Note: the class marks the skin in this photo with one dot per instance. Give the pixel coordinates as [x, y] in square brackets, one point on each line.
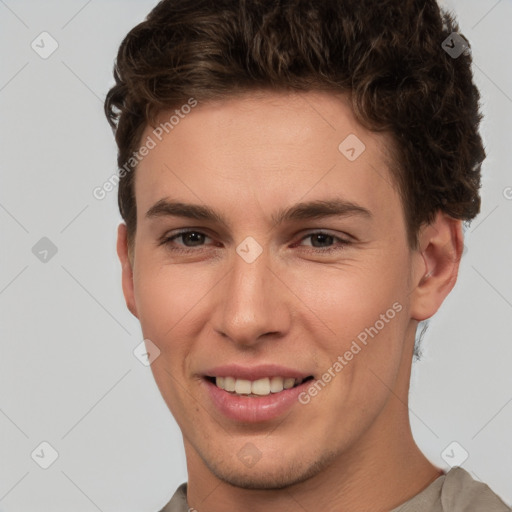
[351, 448]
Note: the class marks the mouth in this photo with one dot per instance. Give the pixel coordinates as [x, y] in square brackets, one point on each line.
[255, 394]
[257, 388]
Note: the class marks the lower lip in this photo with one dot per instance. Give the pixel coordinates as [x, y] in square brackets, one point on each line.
[251, 409]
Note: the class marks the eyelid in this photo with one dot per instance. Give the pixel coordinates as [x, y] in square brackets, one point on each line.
[174, 235]
[342, 239]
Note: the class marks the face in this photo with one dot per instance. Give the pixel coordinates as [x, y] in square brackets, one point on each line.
[267, 256]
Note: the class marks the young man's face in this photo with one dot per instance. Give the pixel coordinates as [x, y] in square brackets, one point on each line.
[305, 303]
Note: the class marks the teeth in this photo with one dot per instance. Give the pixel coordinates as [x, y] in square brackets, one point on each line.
[229, 384]
[260, 387]
[243, 387]
[276, 384]
[289, 383]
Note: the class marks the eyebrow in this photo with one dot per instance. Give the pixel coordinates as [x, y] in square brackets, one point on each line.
[302, 211]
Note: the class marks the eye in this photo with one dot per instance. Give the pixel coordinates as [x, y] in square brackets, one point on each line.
[190, 239]
[321, 242]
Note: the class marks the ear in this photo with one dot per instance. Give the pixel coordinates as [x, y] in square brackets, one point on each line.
[436, 266]
[127, 271]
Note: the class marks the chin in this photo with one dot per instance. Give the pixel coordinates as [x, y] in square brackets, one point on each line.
[271, 475]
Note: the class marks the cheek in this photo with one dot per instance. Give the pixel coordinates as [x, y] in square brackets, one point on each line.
[350, 299]
[168, 300]
[361, 360]
[365, 308]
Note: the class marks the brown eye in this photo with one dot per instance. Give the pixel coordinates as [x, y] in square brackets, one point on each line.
[322, 239]
[194, 237]
[323, 242]
[188, 238]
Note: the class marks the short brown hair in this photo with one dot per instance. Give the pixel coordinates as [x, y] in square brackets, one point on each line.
[386, 54]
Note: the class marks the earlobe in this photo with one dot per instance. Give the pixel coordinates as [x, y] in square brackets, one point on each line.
[127, 271]
[437, 265]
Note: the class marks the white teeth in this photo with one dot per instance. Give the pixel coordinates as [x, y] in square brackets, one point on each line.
[276, 384]
[243, 387]
[260, 387]
[229, 384]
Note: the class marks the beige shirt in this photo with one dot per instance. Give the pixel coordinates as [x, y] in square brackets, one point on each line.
[456, 491]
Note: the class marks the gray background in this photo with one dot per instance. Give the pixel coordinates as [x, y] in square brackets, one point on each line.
[68, 375]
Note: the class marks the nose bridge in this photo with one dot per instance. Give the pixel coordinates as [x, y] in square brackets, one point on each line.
[251, 304]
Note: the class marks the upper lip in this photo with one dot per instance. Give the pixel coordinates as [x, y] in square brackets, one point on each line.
[255, 372]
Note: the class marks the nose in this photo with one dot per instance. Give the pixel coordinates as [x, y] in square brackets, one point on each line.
[253, 303]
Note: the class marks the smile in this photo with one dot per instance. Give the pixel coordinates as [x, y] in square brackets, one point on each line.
[260, 387]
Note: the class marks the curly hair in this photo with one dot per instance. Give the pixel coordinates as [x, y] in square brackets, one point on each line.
[386, 55]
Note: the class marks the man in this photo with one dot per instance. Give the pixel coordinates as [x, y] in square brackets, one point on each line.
[294, 176]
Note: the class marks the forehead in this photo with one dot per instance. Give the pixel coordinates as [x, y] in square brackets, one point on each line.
[265, 149]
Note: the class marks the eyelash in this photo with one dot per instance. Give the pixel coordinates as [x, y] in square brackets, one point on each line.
[168, 240]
